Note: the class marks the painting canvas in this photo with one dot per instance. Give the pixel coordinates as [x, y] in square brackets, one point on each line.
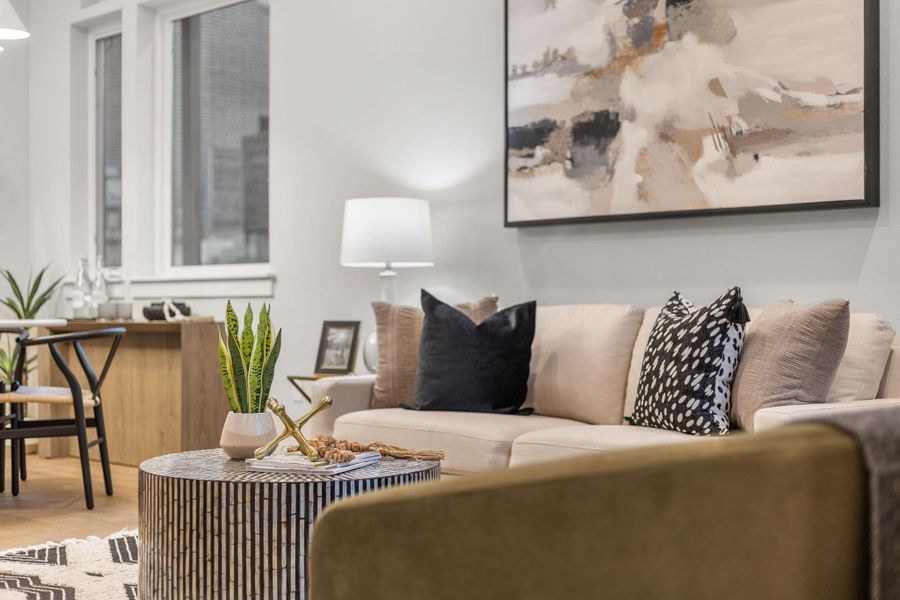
[622, 109]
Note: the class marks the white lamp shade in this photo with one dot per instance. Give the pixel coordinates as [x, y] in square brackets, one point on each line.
[386, 233]
[11, 26]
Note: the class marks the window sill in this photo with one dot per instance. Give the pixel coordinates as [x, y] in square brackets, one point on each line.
[204, 286]
[194, 286]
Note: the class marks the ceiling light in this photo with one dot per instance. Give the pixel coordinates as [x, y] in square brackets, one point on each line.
[11, 26]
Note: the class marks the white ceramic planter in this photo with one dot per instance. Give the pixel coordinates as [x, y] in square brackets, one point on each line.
[245, 432]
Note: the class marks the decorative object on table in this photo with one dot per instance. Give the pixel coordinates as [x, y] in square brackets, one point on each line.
[25, 303]
[91, 291]
[689, 364]
[399, 329]
[292, 429]
[265, 515]
[624, 110]
[388, 234]
[247, 363]
[297, 463]
[119, 305]
[474, 368]
[337, 347]
[791, 356]
[166, 310]
[112, 310]
[99, 287]
[340, 451]
[75, 569]
[81, 291]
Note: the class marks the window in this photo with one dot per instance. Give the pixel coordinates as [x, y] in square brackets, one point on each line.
[220, 136]
[108, 94]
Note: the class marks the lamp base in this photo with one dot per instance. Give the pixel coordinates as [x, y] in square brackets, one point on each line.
[370, 352]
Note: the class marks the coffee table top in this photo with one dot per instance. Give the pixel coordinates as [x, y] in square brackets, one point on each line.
[214, 465]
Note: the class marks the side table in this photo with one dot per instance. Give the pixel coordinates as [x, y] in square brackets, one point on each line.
[211, 528]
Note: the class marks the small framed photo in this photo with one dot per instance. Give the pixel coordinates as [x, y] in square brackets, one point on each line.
[337, 347]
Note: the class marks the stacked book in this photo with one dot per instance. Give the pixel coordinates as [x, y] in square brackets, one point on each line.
[297, 462]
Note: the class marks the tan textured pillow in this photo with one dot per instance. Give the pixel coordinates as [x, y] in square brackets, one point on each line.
[398, 329]
[861, 369]
[580, 359]
[790, 356]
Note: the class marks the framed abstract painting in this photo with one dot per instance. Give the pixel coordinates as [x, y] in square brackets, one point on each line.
[629, 109]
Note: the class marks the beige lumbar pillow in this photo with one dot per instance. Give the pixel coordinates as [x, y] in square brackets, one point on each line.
[790, 356]
[398, 329]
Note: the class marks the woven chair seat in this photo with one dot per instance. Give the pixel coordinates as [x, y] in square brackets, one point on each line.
[47, 395]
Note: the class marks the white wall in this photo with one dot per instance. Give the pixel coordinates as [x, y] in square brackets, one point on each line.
[376, 97]
[14, 243]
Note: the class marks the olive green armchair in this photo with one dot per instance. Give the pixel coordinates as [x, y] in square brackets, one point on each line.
[774, 515]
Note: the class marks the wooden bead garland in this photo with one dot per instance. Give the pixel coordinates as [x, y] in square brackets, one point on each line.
[341, 451]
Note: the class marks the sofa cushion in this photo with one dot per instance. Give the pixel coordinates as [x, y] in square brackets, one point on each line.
[563, 442]
[580, 361]
[473, 442]
[399, 329]
[868, 347]
[790, 356]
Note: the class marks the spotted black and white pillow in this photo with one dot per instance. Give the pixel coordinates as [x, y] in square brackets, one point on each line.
[689, 364]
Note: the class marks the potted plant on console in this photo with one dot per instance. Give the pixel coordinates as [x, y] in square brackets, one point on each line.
[247, 362]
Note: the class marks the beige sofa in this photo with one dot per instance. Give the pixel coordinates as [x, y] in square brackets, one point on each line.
[585, 369]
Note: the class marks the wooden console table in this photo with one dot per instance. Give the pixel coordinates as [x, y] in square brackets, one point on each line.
[163, 393]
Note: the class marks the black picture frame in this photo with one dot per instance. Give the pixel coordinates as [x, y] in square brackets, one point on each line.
[871, 144]
[327, 326]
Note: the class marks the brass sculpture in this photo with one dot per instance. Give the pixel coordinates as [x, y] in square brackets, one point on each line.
[292, 428]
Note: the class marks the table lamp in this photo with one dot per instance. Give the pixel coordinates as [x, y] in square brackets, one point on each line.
[386, 234]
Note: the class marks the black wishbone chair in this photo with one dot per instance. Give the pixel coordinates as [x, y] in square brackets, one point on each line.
[14, 427]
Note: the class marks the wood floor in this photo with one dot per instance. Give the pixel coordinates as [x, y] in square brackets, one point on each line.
[50, 504]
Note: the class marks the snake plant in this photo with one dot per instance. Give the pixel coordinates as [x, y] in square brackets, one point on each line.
[25, 303]
[9, 359]
[247, 360]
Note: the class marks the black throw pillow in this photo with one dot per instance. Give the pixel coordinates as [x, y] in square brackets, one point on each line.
[474, 368]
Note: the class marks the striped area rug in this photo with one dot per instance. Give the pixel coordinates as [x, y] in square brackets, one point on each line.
[72, 570]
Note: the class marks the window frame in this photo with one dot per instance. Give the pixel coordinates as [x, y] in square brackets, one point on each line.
[164, 96]
[94, 35]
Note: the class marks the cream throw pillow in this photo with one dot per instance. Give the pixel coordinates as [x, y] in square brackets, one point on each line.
[580, 359]
[790, 356]
[398, 329]
[868, 348]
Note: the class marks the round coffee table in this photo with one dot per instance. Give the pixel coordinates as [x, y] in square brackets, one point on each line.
[211, 528]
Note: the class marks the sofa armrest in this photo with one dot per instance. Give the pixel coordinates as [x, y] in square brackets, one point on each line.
[781, 514]
[349, 393]
[776, 416]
